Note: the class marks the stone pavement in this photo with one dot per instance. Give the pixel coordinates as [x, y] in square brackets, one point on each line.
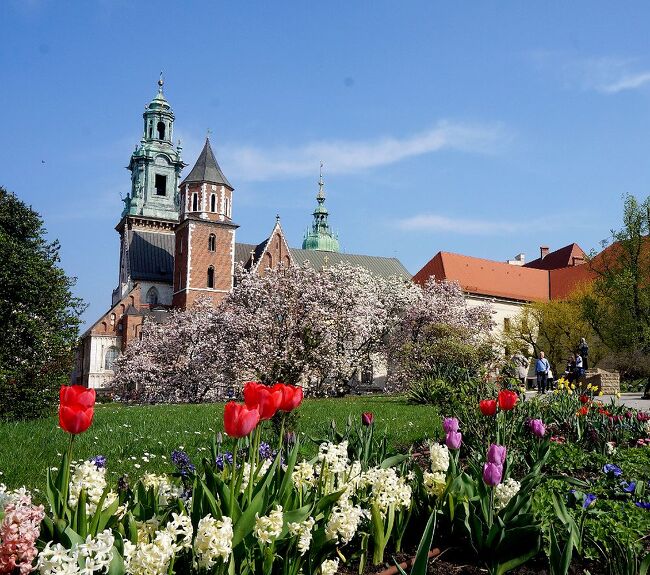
[630, 399]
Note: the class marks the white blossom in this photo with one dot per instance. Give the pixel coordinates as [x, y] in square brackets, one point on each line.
[344, 521]
[269, 527]
[387, 488]
[213, 541]
[439, 455]
[302, 530]
[163, 487]
[435, 483]
[504, 492]
[329, 567]
[95, 554]
[303, 475]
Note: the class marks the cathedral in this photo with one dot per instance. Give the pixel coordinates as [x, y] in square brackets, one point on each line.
[178, 244]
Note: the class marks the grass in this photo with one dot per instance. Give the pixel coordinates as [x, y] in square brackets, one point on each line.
[140, 439]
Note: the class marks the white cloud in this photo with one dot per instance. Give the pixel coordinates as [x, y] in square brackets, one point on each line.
[348, 156]
[607, 75]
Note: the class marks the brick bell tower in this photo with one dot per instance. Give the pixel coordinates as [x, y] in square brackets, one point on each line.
[204, 256]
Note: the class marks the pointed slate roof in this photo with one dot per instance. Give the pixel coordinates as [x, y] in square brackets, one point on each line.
[207, 169]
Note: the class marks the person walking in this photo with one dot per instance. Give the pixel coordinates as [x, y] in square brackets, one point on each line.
[521, 363]
[583, 350]
[542, 368]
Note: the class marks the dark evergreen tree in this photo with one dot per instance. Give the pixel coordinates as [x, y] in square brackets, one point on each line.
[39, 316]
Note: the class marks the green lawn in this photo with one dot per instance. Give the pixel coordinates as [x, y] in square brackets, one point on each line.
[139, 439]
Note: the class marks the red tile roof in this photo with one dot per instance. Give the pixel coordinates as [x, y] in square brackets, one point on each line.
[487, 277]
[570, 255]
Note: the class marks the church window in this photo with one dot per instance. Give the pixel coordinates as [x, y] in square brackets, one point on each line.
[195, 202]
[226, 206]
[161, 130]
[367, 375]
[212, 242]
[112, 353]
[269, 260]
[210, 277]
[161, 185]
[213, 203]
[152, 296]
[287, 261]
[150, 129]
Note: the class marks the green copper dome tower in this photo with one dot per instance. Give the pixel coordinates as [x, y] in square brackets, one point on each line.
[155, 164]
[320, 236]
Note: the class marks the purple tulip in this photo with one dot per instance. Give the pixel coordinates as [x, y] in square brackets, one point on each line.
[537, 427]
[492, 474]
[367, 417]
[496, 454]
[450, 424]
[454, 439]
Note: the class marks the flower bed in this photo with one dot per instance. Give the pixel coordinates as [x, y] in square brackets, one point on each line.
[254, 506]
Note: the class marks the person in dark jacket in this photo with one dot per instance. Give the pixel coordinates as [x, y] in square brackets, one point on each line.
[583, 350]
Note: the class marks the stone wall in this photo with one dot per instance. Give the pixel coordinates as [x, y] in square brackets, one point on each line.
[607, 381]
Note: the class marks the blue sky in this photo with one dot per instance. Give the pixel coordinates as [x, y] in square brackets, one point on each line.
[481, 128]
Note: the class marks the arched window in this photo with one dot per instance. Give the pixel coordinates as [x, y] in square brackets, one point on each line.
[226, 207]
[213, 203]
[269, 260]
[211, 277]
[212, 242]
[112, 353]
[161, 130]
[150, 129]
[152, 296]
[195, 202]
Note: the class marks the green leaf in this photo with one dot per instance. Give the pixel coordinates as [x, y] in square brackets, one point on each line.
[394, 460]
[117, 564]
[81, 522]
[422, 555]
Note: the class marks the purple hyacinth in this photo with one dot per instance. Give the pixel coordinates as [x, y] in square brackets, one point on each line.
[454, 439]
[643, 504]
[615, 470]
[537, 427]
[492, 474]
[265, 451]
[496, 454]
[589, 500]
[182, 462]
[450, 424]
[223, 460]
[99, 461]
[628, 487]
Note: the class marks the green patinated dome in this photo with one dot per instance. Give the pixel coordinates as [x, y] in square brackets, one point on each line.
[320, 236]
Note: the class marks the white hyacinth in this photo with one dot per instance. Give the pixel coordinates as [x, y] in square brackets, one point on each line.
[439, 455]
[435, 483]
[335, 456]
[95, 554]
[150, 558]
[504, 492]
[344, 521]
[163, 487]
[610, 448]
[180, 527]
[257, 477]
[647, 428]
[213, 541]
[88, 476]
[302, 530]
[329, 567]
[269, 527]
[303, 475]
[387, 488]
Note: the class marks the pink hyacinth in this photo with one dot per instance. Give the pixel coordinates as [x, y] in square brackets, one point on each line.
[19, 531]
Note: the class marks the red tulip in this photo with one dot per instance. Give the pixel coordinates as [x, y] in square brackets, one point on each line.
[239, 420]
[367, 417]
[266, 399]
[292, 396]
[584, 399]
[488, 406]
[76, 409]
[507, 399]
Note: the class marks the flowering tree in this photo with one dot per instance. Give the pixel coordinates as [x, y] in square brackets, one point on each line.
[297, 325]
[439, 334]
